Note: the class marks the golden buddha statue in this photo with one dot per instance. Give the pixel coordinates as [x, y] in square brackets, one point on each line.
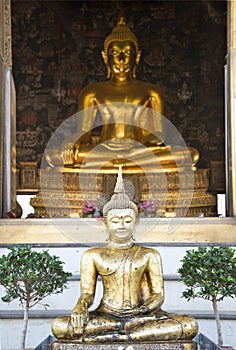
[133, 292]
[133, 129]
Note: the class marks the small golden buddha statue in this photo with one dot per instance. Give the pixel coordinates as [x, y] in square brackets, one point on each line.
[133, 292]
[133, 129]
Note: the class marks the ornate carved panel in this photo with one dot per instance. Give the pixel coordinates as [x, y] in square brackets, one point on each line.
[5, 32]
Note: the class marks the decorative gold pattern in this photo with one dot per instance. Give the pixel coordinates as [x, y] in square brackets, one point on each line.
[5, 32]
[28, 175]
[1, 28]
[64, 202]
[231, 25]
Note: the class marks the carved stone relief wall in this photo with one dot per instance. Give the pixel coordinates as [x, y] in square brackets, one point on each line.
[56, 52]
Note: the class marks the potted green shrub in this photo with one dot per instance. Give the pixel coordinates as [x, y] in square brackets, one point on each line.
[210, 273]
[30, 276]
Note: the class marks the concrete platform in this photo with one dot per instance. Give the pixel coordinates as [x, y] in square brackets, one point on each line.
[179, 345]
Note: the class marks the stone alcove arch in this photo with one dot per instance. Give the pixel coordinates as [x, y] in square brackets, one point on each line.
[7, 163]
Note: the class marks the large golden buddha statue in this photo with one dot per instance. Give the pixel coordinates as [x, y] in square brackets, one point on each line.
[133, 292]
[121, 123]
[133, 129]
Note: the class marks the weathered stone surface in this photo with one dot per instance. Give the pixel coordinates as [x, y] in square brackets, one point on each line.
[63, 345]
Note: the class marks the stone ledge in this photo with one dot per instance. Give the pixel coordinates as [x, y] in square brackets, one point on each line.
[179, 345]
[89, 231]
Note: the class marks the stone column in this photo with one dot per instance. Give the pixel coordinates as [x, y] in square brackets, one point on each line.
[231, 109]
[7, 114]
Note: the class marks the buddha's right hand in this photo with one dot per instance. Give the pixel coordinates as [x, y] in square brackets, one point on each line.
[79, 318]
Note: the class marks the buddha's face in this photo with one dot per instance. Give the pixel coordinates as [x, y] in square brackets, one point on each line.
[120, 224]
[121, 58]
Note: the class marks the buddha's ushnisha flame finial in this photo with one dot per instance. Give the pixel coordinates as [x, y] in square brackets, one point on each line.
[119, 188]
[121, 18]
[119, 200]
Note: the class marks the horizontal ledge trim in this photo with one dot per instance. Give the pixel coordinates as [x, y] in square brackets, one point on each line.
[47, 314]
[166, 277]
[85, 221]
[90, 245]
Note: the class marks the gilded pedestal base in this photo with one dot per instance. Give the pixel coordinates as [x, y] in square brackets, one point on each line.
[63, 345]
[63, 193]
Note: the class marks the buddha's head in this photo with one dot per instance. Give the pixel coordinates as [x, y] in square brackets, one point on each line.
[121, 53]
[120, 214]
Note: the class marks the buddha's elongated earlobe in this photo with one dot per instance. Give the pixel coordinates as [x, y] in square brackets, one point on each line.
[138, 54]
[132, 236]
[133, 232]
[105, 59]
[108, 72]
[134, 72]
[107, 236]
[107, 239]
